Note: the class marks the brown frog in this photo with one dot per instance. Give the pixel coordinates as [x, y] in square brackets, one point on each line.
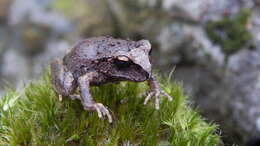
[101, 60]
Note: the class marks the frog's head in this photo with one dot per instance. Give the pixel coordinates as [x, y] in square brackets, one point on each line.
[134, 64]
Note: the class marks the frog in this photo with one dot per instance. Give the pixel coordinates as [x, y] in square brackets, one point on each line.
[99, 60]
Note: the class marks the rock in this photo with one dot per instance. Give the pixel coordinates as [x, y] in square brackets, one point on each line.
[34, 38]
[244, 79]
[15, 68]
[200, 10]
[32, 34]
[4, 9]
[254, 24]
[230, 98]
[204, 10]
[54, 49]
[225, 89]
[189, 44]
[35, 11]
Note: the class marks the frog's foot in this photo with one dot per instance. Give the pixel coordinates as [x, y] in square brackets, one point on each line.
[99, 107]
[156, 93]
[101, 110]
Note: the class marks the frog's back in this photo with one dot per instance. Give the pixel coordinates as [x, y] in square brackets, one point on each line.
[91, 49]
[98, 47]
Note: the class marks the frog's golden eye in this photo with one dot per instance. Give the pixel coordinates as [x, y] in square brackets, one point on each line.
[122, 58]
[122, 61]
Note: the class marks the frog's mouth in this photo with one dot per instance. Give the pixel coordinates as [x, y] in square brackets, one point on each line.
[133, 72]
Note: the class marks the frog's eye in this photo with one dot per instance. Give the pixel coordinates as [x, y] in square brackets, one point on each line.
[122, 61]
[122, 58]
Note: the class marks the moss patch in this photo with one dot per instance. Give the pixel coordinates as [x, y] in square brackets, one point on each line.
[36, 117]
[230, 33]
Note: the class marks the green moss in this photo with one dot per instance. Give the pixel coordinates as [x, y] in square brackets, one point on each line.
[230, 33]
[36, 117]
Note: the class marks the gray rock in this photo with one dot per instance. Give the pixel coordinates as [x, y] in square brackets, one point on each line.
[226, 91]
[15, 68]
[29, 40]
[244, 80]
[188, 43]
[204, 10]
[35, 12]
[254, 26]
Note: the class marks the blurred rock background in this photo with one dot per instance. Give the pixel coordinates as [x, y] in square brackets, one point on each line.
[214, 45]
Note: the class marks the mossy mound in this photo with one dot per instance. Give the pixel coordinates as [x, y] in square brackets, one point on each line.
[230, 33]
[36, 117]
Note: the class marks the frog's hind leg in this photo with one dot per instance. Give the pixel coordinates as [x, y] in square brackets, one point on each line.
[62, 79]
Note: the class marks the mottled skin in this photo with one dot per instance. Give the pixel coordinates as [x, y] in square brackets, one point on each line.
[101, 60]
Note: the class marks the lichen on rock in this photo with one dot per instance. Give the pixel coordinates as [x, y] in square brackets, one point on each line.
[230, 32]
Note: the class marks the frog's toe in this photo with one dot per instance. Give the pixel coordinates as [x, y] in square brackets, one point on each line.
[102, 111]
[157, 100]
[166, 95]
[148, 97]
[157, 94]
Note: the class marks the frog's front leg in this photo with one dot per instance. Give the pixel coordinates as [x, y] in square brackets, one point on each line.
[155, 90]
[62, 79]
[86, 98]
